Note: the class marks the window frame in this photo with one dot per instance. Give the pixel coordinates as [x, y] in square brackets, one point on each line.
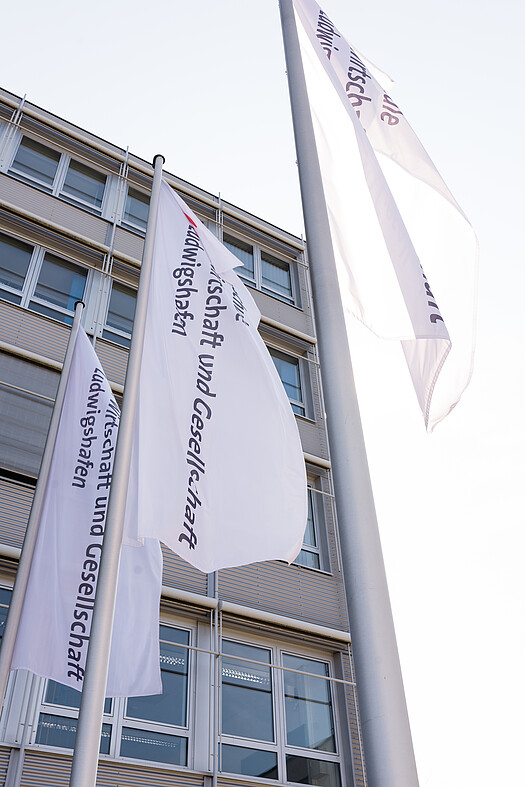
[56, 188]
[258, 253]
[117, 719]
[126, 222]
[110, 333]
[27, 293]
[280, 746]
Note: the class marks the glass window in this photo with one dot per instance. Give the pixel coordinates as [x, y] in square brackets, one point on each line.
[27, 395]
[249, 762]
[151, 745]
[62, 730]
[247, 708]
[306, 770]
[84, 184]
[36, 161]
[61, 283]
[58, 694]
[121, 312]
[288, 370]
[170, 707]
[15, 258]
[308, 705]
[276, 275]
[309, 554]
[244, 253]
[5, 599]
[136, 209]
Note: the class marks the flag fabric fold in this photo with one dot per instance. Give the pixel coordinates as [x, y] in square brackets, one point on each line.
[216, 447]
[54, 630]
[406, 256]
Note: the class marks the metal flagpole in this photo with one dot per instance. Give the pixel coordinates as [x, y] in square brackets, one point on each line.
[28, 548]
[85, 756]
[388, 747]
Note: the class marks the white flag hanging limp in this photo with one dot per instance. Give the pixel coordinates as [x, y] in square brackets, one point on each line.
[54, 630]
[220, 466]
[406, 255]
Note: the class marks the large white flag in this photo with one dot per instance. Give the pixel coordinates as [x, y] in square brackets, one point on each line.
[54, 629]
[221, 471]
[406, 255]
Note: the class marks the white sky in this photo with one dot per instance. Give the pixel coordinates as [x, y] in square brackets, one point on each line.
[204, 84]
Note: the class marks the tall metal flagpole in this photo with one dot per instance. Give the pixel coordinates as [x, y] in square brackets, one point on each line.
[85, 756]
[389, 755]
[28, 548]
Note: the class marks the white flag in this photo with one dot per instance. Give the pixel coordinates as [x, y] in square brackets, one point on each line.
[217, 451]
[54, 630]
[406, 255]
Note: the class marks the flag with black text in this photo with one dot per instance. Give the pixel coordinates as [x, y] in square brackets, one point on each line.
[54, 630]
[217, 465]
[406, 255]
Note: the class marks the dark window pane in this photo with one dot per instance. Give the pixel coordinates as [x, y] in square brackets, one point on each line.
[61, 731]
[170, 707]
[85, 184]
[137, 209]
[27, 392]
[249, 762]
[276, 275]
[244, 253]
[308, 559]
[305, 770]
[308, 706]
[246, 693]
[121, 312]
[61, 283]
[148, 745]
[288, 370]
[58, 694]
[15, 257]
[37, 161]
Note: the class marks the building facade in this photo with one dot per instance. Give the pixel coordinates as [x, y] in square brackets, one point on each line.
[256, 661]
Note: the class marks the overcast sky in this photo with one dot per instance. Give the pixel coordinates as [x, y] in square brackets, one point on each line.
[204, 84]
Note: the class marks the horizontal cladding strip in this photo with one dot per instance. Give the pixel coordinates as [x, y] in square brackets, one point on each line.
[196, 599]
[60, 230]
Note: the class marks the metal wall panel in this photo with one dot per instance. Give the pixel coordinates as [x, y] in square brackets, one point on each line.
[287, 590]
[15, 505]
[178, 573]
[33, 332]
[5, 754]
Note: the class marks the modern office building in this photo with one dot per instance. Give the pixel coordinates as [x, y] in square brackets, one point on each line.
[256, 661]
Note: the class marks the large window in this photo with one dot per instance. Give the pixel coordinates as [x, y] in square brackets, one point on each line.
[277, 723]
[27, 395]
[310, 554]
[152, 728]
[34, 278]
[121, 312]
[263, 270]
[136, 209]
[59, 174]
[289, 371]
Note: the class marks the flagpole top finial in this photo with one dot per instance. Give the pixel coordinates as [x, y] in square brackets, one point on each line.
[159, 155]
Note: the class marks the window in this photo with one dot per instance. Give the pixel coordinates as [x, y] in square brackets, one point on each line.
[142, 728]
[289, 371]
[5, 598]
[309, 555]
[59, 174]
[136, 209]
[27, 395]
[277, 726]
[36, 161]
[15, 258]
[39, 280]
[121, 312]
[84, 184]
[262, 270]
